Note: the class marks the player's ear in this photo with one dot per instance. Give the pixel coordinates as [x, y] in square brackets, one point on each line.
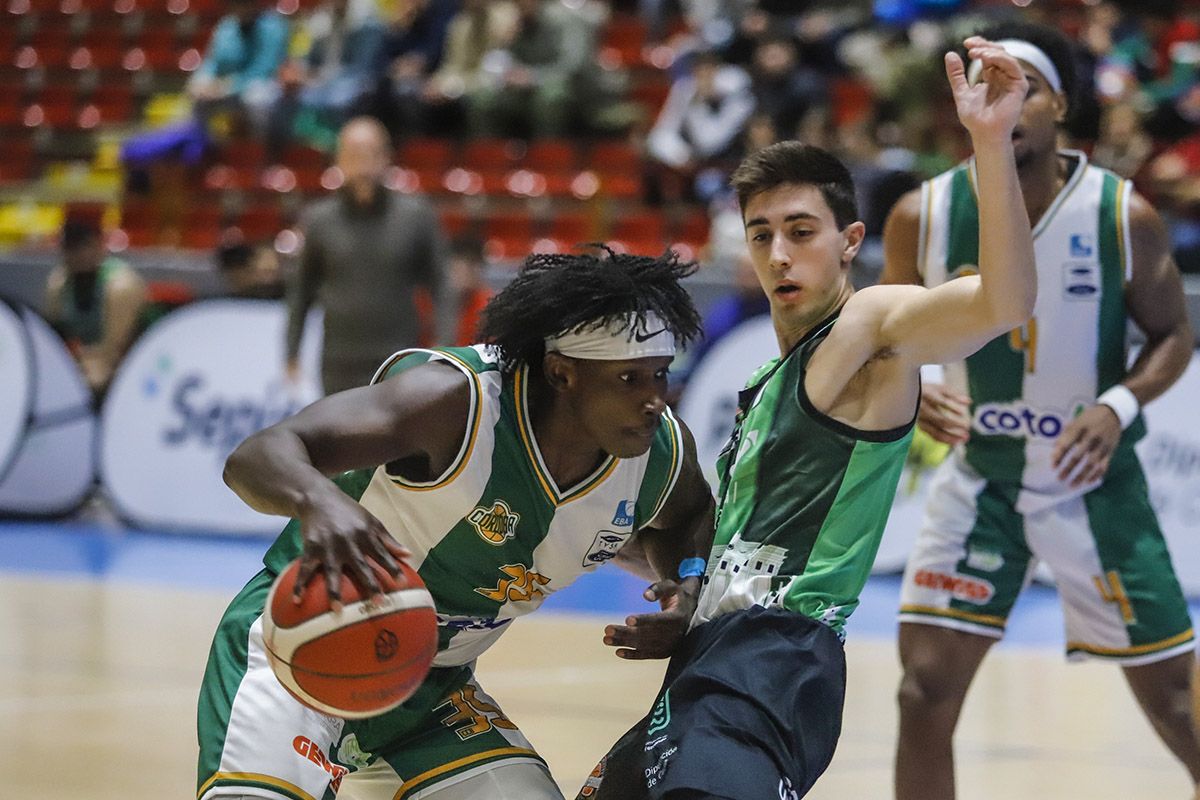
[1060, 107]
[559, 371]
[852, 239]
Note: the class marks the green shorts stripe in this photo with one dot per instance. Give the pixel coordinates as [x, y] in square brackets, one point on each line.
[449, 770]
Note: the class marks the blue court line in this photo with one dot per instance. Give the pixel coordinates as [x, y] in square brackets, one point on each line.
[224, 563]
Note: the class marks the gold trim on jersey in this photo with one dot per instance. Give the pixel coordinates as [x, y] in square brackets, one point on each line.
[465, 761]
[1059, 200]
[475, 414]
[1121, 224]
[676, 466]
[525, 427]
[1136, 650]
[991, 620]
[254, 777]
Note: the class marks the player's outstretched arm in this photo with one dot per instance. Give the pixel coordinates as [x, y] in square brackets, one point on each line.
[421, 414]
[953, 320]
[683, 530]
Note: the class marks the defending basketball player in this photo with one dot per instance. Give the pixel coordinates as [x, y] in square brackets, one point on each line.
[1044, 419]
[752, 702]
[501, 473]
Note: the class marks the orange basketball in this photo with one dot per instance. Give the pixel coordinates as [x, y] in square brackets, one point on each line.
[360, 662]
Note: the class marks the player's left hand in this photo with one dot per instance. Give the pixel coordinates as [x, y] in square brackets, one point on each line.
[1083, 451]
[657, 635]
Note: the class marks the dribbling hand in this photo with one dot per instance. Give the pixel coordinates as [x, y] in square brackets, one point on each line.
[340, 536]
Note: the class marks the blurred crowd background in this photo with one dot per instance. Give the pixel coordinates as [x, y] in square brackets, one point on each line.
[185, 138]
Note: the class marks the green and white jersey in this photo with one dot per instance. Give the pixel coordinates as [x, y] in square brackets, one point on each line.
[493, 536]
[1025, 386]
[803, 500]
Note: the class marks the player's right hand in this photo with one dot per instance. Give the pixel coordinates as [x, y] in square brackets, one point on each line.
[340, 536]
[991, 107]
[944, 414]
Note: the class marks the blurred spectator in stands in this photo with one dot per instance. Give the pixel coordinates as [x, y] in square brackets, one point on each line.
[366, 248]
[250, 270]
[93, 300]
[1123, 145]
[698, 126]
[1174, 179]
[1155, 63]
[467, 290]
[412, 51]
[479, 28]
[531, 88]
[338, 53]
[782, 89]
[239, 74]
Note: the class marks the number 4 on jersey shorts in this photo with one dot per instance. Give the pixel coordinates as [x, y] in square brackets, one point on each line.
[256, 739]
[975, 553]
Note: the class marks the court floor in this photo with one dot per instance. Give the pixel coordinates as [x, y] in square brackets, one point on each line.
[103, 639]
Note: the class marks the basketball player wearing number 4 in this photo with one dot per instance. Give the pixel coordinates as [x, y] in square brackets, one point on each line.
[500, 473]
[1043, 420]
[752, 702]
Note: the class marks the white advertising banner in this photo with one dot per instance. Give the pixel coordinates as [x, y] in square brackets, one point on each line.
[52, 469]
[195, 385]
[16, 387]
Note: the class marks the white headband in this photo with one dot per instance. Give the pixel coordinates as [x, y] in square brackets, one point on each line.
[1028, 52]
[616, 341]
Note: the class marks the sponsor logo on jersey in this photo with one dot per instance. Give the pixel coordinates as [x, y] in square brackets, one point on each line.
[605, 546]
[786, 792]
[1081, 245]
[1081, 280]
[626, 514]
[312, 751]
[984, 560]
[961, 587]
[495, 524]
[522, 583]
[1017, 420]
[660, 717]
[350, 752]
[470, 623]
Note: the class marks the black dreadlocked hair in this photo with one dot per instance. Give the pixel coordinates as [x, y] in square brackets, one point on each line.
[557, 292]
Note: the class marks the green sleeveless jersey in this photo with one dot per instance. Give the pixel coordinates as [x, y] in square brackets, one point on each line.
[803, 499]
[493, 535]
[1027, 385]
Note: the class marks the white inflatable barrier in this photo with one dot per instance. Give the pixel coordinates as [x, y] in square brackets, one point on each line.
[1170, 452]
[196, 384]
[47, 428]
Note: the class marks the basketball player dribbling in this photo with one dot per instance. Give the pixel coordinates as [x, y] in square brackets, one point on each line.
[1044, 419]
[501, 473]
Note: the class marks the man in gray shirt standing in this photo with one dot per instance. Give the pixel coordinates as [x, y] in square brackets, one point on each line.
[366, 249]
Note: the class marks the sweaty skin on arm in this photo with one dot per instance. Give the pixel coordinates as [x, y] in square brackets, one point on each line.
[418, 417]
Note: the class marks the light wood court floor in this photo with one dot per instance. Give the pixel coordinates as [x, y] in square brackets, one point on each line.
[98, 684]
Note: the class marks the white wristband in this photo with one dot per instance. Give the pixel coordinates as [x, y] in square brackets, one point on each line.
[1122, 402]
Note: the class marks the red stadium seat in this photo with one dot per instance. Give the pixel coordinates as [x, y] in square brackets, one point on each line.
[492, 154]
[640, 225]
[626, 35]
[613, 157]
[551, 155]
[425, 154]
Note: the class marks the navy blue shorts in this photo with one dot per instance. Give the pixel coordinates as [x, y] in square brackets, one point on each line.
[751, 707]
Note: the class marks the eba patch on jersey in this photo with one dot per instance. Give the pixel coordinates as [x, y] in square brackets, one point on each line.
[626, 511]
[605, 546]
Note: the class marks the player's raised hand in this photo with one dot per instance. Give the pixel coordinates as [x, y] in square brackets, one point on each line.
[991, 107]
